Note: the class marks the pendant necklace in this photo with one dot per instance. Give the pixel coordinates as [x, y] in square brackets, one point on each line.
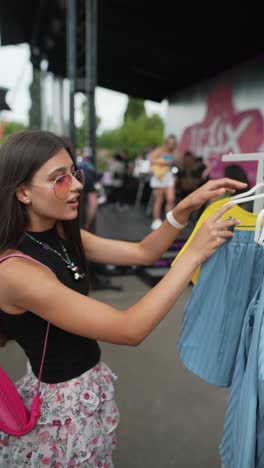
[66, 259]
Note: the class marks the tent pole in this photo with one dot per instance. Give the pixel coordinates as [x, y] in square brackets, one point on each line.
[91, 72]
[71, 63]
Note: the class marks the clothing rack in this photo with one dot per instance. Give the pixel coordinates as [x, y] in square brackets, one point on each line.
[259, 157]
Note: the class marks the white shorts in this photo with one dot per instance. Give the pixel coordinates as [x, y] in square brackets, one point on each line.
[167, 181]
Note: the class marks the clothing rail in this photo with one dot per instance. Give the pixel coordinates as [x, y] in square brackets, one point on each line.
[259, 157]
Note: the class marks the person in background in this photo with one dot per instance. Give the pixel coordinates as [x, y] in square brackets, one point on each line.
[118, 170]
[148, 152]
[89, 203]
[44, 275]
[193, 172]
[137, 166]
[89, 194]
[237, 172]
[162, 180]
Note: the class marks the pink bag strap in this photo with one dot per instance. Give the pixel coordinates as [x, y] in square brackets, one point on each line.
[48, 324]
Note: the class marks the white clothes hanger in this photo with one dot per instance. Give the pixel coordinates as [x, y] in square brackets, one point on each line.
[246, 199]
[249, 192]
[248, 196]
[259, 159]
[259, 231]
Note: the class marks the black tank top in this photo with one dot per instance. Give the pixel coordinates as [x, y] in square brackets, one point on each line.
[67, 355]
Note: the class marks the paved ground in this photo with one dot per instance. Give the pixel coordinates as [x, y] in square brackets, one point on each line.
[132, 224]
[169, 418]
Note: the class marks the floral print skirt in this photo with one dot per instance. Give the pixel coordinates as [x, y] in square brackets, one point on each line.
[76, 427]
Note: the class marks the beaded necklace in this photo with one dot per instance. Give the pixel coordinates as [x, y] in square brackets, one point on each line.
[66, 259]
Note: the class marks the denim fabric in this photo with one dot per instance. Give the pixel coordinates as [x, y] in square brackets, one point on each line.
[242, 444]
[214, 314]
[238, 447]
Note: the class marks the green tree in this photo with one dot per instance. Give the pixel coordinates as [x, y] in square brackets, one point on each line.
[134, 136]
[11, 127]
[135, 108]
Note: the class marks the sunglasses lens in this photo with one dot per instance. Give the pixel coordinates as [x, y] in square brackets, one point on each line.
[62, 186]
[79, 175]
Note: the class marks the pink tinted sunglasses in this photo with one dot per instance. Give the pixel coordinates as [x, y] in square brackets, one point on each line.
[62, 184]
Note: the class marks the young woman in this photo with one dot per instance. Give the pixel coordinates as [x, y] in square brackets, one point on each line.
[162, 181]
[39, 193]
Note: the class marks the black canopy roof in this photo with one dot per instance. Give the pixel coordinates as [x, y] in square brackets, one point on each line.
[146, 49]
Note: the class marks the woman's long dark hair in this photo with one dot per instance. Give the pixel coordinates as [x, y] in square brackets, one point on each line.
[21, 156]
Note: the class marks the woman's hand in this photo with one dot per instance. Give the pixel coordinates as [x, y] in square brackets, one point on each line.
[209, 191]
[212, 234]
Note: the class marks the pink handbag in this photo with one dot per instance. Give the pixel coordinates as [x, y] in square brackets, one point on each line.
[15, 418]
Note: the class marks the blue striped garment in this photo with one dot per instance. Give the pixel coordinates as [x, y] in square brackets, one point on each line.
[214, 314]
[242, 444]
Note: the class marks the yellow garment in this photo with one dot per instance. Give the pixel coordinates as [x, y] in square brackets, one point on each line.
[159, 171]
[247, 222]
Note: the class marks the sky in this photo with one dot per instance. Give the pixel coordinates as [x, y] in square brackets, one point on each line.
[16, 75]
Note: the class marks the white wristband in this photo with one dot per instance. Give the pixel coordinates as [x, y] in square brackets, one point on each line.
[173, 221]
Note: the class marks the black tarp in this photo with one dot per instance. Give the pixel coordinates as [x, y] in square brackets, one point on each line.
[146, 49]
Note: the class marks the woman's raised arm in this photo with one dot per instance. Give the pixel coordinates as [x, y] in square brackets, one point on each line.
[152, 247]
[30, 287]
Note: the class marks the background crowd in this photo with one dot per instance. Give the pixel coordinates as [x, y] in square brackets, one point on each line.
[127, 181]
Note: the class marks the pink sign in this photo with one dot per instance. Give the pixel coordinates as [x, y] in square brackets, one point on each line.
[225, 131]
